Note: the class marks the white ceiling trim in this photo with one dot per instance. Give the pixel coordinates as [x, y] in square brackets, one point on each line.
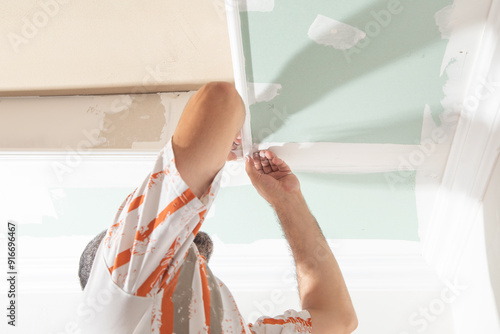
[472, 157]
[366, 265]
[374, 265]
[319, 157]
[41, 171]
[349, 158]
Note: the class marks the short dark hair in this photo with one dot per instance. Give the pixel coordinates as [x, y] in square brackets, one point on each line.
[202, 240]
[204, 244]
[87, 258]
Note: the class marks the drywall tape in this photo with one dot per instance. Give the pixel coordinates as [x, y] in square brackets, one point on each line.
[238, 58]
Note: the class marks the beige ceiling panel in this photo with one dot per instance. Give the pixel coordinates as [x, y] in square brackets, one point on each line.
[54, 47]
[138, 122]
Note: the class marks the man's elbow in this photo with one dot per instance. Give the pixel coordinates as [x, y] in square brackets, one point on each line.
[332, 323]
[346, 325]
[351, 323]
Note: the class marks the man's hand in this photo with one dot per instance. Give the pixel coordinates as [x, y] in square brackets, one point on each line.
[322, 288]
[271, 176]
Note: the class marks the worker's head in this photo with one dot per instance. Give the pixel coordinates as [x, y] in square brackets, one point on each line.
[87, 258]
[204, 244]
[202, 241]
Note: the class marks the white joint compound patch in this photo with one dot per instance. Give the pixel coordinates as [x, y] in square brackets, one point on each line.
[330, 32]
[261, 92]
[256, 5]
[444, 21]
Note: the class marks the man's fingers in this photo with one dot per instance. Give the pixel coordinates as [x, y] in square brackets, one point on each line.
[252, 172]
[277, 164]
[266, 164]
[272, 158]
[269, 154]
[256, 161]
[277, 161]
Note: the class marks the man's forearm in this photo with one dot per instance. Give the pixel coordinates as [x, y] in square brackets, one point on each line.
[321, 286]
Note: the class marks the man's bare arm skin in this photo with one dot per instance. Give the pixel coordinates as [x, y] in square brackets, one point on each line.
[206, 132]
[321, 285]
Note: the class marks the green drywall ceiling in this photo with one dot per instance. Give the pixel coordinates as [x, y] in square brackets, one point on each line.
[80, 211]
[346, 207]
[367, 206]
[373, 93]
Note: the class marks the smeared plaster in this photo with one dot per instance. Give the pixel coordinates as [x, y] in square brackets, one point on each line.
[262, 92]
[120, 103]
[256, 5]
[84, 123]
[443, 20]
[142, 121]
[451, 21]
[330, 32]
[174, 104]
[458, 60]
[50, 123]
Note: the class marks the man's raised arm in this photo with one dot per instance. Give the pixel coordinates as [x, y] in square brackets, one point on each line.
[321, 285]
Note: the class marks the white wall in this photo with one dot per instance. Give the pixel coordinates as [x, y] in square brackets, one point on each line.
[389, 283]
[491, 238]
[478, 310]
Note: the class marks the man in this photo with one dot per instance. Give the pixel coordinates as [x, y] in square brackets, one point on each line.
[202, 241]
[149, 274]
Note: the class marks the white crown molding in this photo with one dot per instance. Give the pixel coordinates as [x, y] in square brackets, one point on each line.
[355, 158]
[373, 265]
[323, 157]
[472, 157]
[89, 155]
[383, 265]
